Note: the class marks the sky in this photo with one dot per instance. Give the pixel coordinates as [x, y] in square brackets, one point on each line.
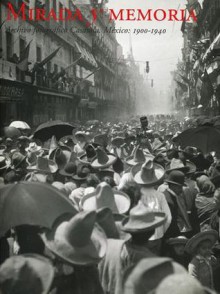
[162, 51]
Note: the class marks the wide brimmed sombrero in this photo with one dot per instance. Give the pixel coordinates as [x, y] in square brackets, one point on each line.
[193, 243]
[118, 141]
[24, 273]
[103, 159]
[43, 165]
[176, 164]
[138, 156]
[89, 156]
[81, 134]
[79, 241]
[33, 148]
[148, 174]
[61, 155]
[105, 196]
[142, 218]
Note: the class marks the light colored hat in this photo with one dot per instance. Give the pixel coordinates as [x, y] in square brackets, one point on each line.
[193, 243]
[142, 218]
[43, 165]
[33, 148]
[79, 241]
[180, 284]
[4, 162]
[148, 174]
[2, 149]
[177, 164]
[105, 196]
[148, 273]
[138, 156]
[103, 159]
[36, 177]
[27, 273]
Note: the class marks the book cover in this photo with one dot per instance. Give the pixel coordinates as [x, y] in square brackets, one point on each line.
[94, 94]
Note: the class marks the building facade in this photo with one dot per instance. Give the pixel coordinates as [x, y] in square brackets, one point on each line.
[197, 77]
[73, 71]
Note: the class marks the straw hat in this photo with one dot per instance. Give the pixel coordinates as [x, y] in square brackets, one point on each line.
[2, 149]
[148, 174]
[142, 218]
[69, 169]
[27, 273]
[61, 156]
[89, 156]
[33, 148]
[103, 159]
[177, 164]
[180, 284]
[105, 196]
[78, 241]
[118, 141]
[193, 243]
[148, 273]
[4, 162]
[43, 165]
[137, 157]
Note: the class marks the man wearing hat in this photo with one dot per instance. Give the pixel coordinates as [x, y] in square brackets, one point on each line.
[180, 221]
[26, 274]
[148, 176]
[121, 254]
[77, 245]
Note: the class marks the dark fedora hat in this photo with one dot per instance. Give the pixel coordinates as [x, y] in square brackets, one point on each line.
[176, 177]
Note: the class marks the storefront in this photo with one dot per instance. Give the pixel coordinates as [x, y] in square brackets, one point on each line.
[16, 101]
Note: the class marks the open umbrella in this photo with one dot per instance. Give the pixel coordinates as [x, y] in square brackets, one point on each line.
[11, 132]
[55, 128]
[31, 203]
[18, 124]
[205, 138]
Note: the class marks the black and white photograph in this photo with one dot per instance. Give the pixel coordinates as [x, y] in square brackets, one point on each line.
[110, 147]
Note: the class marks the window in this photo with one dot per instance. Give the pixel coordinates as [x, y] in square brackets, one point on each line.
[55, 68]
[9, 44]
[39, 54]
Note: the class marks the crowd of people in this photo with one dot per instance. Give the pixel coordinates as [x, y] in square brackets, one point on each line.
[133, 211]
